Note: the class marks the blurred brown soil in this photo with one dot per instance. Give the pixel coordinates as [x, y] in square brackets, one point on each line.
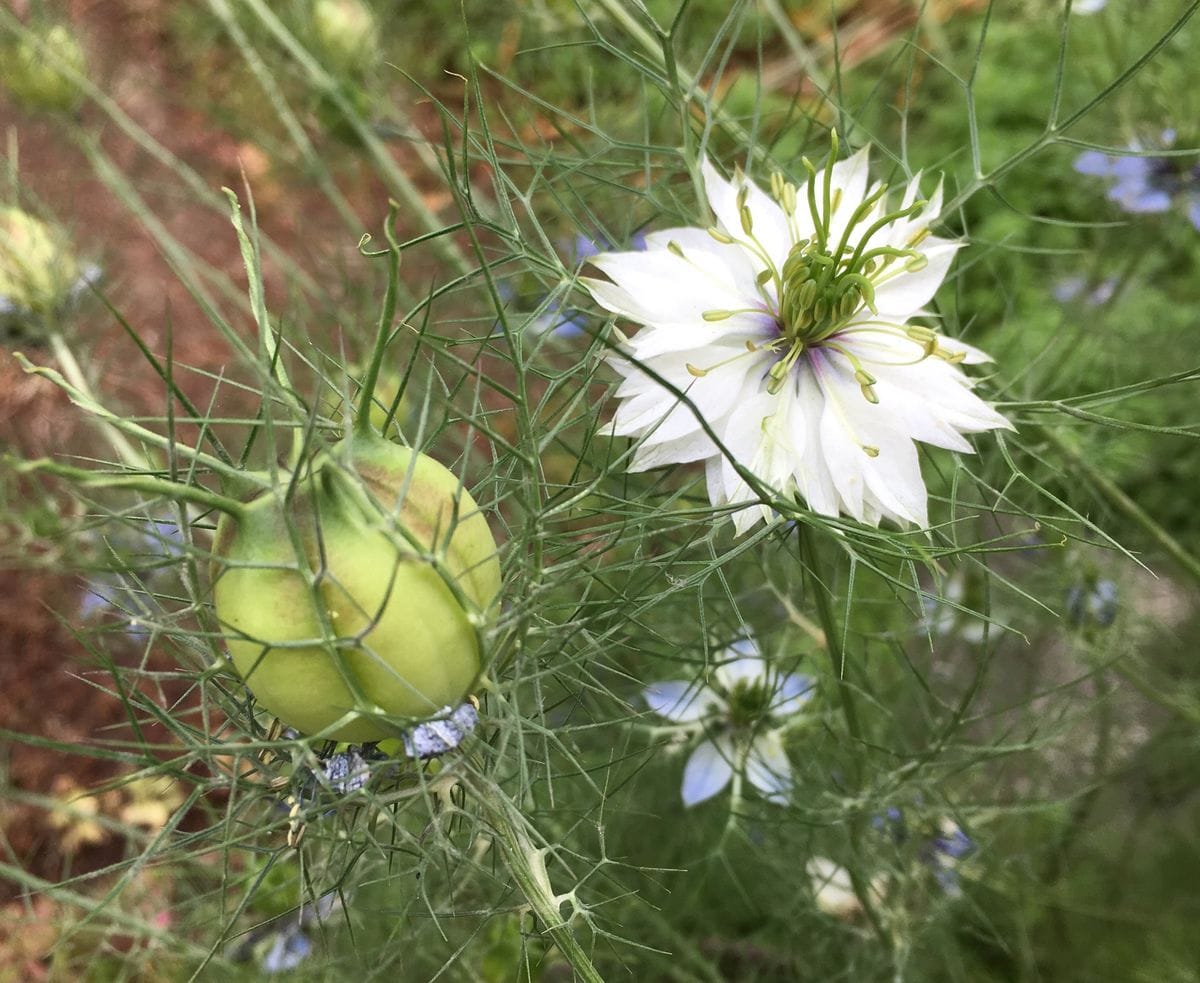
[131, 54]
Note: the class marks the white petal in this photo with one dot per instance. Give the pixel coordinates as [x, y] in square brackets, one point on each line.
[770, 226]
[746, 519]
[742, 435]
[707, 771]
[885, 483]
[768, 768]
[670, 429]
[900, 293]
[657, 286]
[841, 447]
[812, 475]
[745, 647]
[741, 667]
[974, 356]
[741, 264]
[679, 701]
[696, 446]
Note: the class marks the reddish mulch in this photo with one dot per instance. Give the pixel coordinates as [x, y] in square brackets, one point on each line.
[132, 56]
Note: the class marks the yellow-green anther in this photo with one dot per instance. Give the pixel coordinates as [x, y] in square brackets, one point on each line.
[836, 201]
[675, 248]
[777, 186]
[764, 277]
[916, 263]
[870, 451]
[869, 395]
[806, 294]
[693, 371]
[747, 220]
[920, 333]
[918, 237]
[789, 198]
[776, 376]
[742, 195]
[721, 237]
[716, 315]
[863, 377]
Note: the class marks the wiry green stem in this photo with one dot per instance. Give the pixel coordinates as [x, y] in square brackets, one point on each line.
[234, 480]
[811, 561]
[362, 423]
[1117, 498]
[526, 863]
[145, 483]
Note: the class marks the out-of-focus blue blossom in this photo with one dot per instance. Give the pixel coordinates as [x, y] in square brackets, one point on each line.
[291, 944]
[127, 594]
[945, 616]
[1143, 184]
[288, 951]
[444, 733]
[952, 842]
[942, 853]
[1094, 603]
[555, 318]
[558, 321]
[1082, 289]
[891, 823]
[939, 853]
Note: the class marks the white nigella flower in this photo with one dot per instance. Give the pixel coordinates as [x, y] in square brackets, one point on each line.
[787, 326]
[734, 716]
[833, 890]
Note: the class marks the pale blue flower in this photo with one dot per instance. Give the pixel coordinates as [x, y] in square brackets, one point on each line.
[1142, 184]
[289, 950]
[942, 853]
[1082, 289]
[1094, 603]
[732, 714]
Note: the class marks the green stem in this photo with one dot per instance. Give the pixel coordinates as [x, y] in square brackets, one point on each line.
[268, 346]
[526, 862]
[239, 483]
[74, 374]
[820, 594]
[834, 644]
[362, 423]
[146, 483]
[399, 184]
[1120, 501]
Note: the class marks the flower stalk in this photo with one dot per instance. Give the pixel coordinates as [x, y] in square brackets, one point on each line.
[527, 864]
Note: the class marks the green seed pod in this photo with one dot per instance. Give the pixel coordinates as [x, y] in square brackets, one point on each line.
[346, 36]
[36, 81]
[37, 268]
[332, 604]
